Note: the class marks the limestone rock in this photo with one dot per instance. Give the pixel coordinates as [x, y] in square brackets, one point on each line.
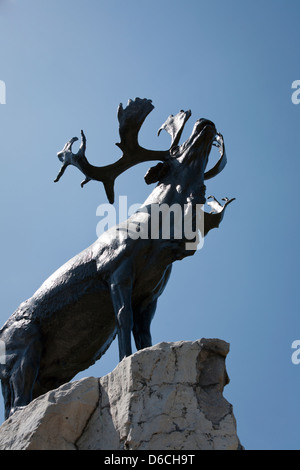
[167, 397]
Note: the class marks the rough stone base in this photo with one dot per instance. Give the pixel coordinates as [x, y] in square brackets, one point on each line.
[167, 397]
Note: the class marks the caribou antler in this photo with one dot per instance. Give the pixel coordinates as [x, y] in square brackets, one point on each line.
[221, 163]
[174, 126]
[130, 121]
[214, 218]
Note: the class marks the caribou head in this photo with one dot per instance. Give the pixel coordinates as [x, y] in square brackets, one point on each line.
[188, 160]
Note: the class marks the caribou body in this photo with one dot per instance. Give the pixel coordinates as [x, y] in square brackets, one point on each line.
[112, 287]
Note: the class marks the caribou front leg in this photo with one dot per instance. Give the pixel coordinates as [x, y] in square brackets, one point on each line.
[121, 292]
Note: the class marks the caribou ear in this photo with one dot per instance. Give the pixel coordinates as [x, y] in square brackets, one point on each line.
[156, 173]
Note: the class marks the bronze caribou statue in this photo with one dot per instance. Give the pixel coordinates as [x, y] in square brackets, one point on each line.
[112, 287]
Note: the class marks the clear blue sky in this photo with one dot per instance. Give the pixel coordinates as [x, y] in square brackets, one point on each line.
[67, 64]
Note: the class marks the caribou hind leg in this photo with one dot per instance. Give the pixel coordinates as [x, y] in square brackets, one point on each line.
[6, 392]
[24, 375]
[19, 374]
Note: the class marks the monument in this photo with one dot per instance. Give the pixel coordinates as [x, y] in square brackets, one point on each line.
[112, 287]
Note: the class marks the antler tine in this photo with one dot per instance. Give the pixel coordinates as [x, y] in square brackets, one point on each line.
[174, 126]
[69, 144]
[82, 148]
[221, 163]
[65, 156]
